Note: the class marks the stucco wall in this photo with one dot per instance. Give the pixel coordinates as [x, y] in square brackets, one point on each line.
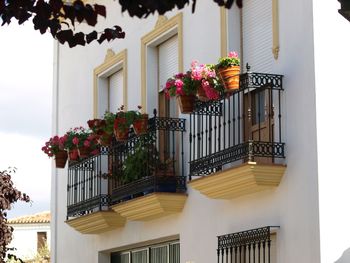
[293, 205]
[25, 239]
[332, 42]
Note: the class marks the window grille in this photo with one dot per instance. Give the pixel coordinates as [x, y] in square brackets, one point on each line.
[252, 246]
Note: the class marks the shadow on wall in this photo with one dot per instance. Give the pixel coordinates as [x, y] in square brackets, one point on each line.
[345, 258]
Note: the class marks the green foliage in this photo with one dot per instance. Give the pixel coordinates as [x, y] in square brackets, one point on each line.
[135, 164]
[109, 117]
[231, 60]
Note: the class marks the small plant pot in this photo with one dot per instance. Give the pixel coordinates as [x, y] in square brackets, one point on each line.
[186, 103]
[121, 132]
[201, 95]
[61, 159]
[230, 77]
[105, 139]
[73, 155]
[83, 152]
[141, 125]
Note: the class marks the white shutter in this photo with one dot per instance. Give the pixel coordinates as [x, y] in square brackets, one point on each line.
[139, 256]
[257, 35]
[159, 254]
[167, 60]
[115, 90]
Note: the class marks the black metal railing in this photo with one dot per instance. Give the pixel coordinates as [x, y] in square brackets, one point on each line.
[253, 246]
[153, 162]
[87, 186]
[245, 125]
[96, 182]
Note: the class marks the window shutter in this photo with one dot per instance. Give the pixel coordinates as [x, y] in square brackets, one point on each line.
[139, 256]
[115, 91]
[167, 60]
[257, 35]
[159, 255]
[174, 253]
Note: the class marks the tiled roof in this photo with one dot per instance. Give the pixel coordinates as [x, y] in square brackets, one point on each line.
[43, 217]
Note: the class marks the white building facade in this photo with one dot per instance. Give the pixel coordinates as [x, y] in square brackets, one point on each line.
[31, 233]
[285, 185]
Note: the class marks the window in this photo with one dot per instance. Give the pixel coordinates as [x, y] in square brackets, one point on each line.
[161, 57]
[257, 35]
[253, 246]
[115, 91]
[41, 240]
[110, 81]
[167, 67]
[164, 253]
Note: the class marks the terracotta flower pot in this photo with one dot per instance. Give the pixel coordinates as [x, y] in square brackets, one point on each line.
[201, 95]
[141, 125]
[73, 155]
[120, 131]
[61, 159]
[83, 152]
[186, 103]
[230, 77]
[104, 139]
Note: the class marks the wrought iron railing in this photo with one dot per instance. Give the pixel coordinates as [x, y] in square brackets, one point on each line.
[96, 182]
[245, 125]
[161, 151]
[87, 186]
[251, 246]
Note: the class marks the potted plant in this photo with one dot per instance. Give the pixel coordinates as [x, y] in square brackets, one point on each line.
[122, 123]
[140, 122]
[103, 128]
[209, 85]
[184, 88]
[55, 147]
[136, 164]
[81, 143]
[228, 70]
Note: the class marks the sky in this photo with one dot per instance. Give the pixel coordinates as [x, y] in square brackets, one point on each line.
[26, 68]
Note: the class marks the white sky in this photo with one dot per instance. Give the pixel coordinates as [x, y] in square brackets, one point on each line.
[25, 111]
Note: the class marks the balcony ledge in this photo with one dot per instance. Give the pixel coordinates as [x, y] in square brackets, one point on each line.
[151, 206]
[245, 179]
[97, 222]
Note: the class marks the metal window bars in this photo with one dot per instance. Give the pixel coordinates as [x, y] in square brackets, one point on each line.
[253, 246]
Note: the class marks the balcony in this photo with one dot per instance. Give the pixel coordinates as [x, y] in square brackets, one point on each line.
[88, 197]
[141, 178]
[236, 143]
[160, 185]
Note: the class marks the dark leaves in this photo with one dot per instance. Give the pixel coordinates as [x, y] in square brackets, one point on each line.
[55, 14]
[91, 37]
[100, 10]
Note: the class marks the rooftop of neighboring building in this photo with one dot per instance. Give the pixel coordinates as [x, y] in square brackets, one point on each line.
[42, 217]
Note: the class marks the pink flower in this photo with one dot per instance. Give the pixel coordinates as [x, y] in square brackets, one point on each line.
[75, 141]
[179, 83]
[179, 91]
[232, 54]
[168, 85]
[194, 63]
[87, 143]
[210, 92]
[179, 75]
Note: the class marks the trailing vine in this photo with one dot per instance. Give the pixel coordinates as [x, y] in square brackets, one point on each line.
[8, 196]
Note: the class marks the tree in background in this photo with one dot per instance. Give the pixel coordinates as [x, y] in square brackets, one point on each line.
[59, 16]
[8, 196]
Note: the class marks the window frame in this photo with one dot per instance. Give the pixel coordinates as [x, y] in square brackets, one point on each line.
[113, 63]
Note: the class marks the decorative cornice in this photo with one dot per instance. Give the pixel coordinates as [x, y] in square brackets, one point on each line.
[161, 21]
